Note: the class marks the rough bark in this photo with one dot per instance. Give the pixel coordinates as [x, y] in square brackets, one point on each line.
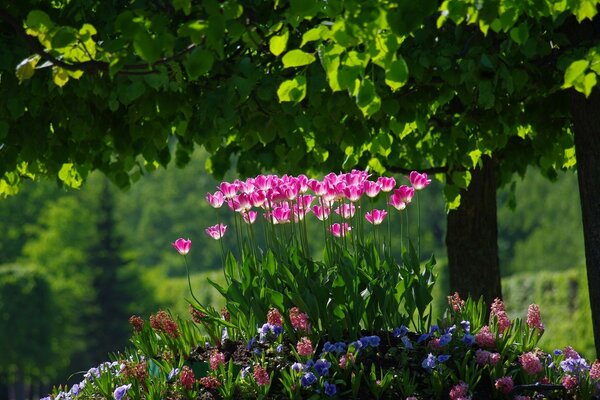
[587, 150]
[472, 238]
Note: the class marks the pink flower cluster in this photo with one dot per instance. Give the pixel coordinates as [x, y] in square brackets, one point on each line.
[186, 378]
[531, 363]
[505, 384]
[484, 357]
[261, 376]
[274, 317]
[498, 311]
[456, 302]
[287, 199]
[595, 371]
[216, 359]
[460, 392]
[299, 319]
[485, 338]
[534, 320]
[304, 347]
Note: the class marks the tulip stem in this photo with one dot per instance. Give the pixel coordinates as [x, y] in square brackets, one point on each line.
[187, 268]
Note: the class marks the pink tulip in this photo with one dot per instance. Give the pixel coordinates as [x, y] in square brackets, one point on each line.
[371, 188]
[305, 201]
[246, 187]
[229, 190]
[339, 230]
[396, 202]
[241, 203]
[215, 200]
[274, 195]
[281, 214]
[353, 193]
[322, 213]
[249, 217]
[258, 199]
[346, 210]
[330, 194]
[405, 193]
[262, 182]
[419, 181]
[216, 231]
[376, 216]
[290, 190]
[303, 182]
[387, 184]
[299, 212]
[319, 188]
[182, 246]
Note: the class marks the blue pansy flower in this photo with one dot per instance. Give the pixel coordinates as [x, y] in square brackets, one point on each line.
[399, 332]
[466, 325]
[120, 391]
[443, 358]
[308, 379]
[423, 337]
[340, 347]
[173, 373]
[407, 342]
[330, 389]
[322, 367]
[468, 339]
[445, 339]
[429, 362]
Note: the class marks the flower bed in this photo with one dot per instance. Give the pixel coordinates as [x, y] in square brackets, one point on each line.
[354, 325]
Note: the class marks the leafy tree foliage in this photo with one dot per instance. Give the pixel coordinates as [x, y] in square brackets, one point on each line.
[298, 86]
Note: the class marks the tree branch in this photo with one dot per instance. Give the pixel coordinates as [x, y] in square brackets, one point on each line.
[405, 171]
[92, 66]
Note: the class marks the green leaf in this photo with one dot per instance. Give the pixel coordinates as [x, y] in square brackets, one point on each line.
[292, 90]
[397, 74]
[313, 34]
[277, 44]
[185, 5]
[63, 37]
[194, 29]
[297, 58]
[3, 129]
[574, 72]
[59, 76]
[520, 33]
[199, 62]
[486, 94]
[26, 68]
[409, 15]
[70, 176]
[38, 21]
[452, 194]
[367, 98]
[146, 47]
[461, 179]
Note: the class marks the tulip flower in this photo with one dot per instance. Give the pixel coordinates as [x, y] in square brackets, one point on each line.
[371, 189]
[215, 200]
[339, 230]
[216, 231]
[396, 202]
[419, 181]
[182, 246]
[405, 193]
[386, 183]
[376, 216]
[346, 210]
[249, 217]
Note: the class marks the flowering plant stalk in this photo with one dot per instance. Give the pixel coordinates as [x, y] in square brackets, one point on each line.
[357, 284]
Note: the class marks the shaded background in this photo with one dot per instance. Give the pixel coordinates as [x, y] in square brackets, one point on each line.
[74, 265]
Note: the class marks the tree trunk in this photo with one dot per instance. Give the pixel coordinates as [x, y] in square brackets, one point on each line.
[587, 150]
[472, 238]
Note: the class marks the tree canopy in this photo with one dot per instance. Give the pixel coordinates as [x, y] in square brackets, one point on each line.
[294, 85]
